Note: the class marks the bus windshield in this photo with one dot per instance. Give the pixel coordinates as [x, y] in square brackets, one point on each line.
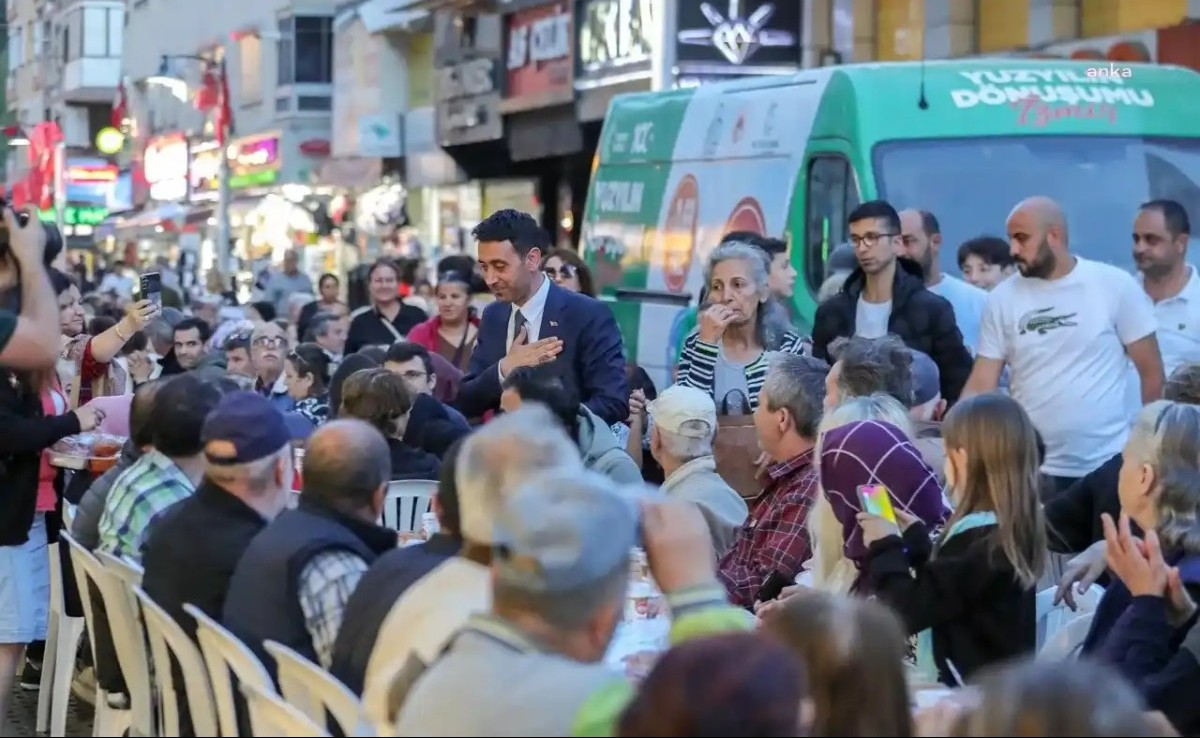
[971, 185]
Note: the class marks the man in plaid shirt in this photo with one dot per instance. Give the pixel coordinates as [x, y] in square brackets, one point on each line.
[774, 537]
[164, 475]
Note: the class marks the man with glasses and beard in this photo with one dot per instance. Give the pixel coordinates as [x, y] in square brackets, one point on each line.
[1065, 324]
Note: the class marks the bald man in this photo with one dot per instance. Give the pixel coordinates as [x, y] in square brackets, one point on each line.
[293, 582]
[921, 241]
[1064, 324]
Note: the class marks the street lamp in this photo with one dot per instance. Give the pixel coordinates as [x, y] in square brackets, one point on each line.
[179, 89]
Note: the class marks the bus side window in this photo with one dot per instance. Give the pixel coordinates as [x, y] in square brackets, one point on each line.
[830, 198]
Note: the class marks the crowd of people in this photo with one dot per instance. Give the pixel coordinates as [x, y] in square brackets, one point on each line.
[869, 510]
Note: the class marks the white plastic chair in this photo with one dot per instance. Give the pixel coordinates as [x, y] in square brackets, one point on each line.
[314, 690]
[270, 715]
[58, 662]
[224, 655]
[167, 640]
[1051, 618]
[129, 572]
[91, 575]
[1067, 641]
[407, 500]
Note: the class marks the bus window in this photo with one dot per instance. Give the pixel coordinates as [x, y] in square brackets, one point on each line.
[830, 197]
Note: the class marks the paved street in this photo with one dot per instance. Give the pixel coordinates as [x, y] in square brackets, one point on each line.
[22, 716]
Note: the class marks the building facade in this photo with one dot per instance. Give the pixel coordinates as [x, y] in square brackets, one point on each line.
[276, 57]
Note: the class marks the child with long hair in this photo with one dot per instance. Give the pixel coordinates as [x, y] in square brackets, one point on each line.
[971, 595]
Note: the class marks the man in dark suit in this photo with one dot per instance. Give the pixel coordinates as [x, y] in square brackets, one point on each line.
[535, 322]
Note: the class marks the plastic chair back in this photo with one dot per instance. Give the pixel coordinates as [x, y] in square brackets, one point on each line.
[169, 640]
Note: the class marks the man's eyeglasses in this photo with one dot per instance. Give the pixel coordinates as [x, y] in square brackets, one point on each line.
[270, 342]
[869, 239]
[566, 271]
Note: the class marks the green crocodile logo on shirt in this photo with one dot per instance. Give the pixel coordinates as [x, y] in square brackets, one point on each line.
[1041, 322]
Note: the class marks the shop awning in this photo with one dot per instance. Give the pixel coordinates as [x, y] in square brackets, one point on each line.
[171, 216]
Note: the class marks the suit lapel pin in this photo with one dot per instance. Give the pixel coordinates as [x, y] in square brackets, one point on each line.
[554, 324]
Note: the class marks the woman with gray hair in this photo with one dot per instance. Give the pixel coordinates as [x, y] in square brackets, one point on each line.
[1146, 623]
[726, 356]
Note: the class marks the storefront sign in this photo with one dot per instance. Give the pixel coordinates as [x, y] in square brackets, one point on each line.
[204, 173]
[77, 215]
[738, 37]
[165, 164]
[615, 41]
[254, 161]
[540, 68]
[468, 108]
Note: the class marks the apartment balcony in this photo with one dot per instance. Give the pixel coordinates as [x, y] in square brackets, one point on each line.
[92, 80]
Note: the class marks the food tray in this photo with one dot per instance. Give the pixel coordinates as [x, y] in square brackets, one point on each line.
[70, 453]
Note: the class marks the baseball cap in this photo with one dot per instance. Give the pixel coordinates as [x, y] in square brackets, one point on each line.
[244, 427]
[685, 411]
[563, 531]
[927, 379]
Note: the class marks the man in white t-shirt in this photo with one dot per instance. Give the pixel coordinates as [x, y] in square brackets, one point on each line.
[922, 239]
[1064, 325]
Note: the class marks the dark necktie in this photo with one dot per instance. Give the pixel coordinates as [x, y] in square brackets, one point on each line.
[519, 322]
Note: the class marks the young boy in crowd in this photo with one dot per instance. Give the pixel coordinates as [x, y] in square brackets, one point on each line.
[985, 261]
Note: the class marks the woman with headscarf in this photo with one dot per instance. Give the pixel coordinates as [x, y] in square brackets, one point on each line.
[873, 452]
[453, 331]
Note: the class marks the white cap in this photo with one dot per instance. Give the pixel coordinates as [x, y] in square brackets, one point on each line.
[685, 411]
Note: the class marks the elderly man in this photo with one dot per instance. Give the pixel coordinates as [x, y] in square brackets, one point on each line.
[329, 332]
[775, 538]
[423, 606]
[268, 349]
[681, 441]
[294, 580]
[534, 664]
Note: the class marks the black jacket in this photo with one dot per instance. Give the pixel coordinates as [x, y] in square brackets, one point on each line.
[431, 427]
[25, 432]
[412, 463]
[1073, 515]
[922, 319]
[967, 594]
[192, 549]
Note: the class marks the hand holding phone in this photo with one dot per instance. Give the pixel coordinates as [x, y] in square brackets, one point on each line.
[876, 500]
[150, 288]
[771, 588]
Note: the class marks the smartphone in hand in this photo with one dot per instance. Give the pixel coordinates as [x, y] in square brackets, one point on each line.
[876, 500]
[772, 586]
[150, 287]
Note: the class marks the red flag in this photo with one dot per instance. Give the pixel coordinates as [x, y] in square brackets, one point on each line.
[120, 106]
[43, 140]
[223, 118]
[207, 94]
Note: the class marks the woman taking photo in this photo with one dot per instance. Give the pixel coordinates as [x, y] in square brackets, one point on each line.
[726, 356]
[88, 358]
[389, 319]
[452, 332]
[34, 414]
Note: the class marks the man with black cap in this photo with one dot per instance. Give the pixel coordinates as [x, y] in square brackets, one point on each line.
[192, 550]
[534, 664]
[293, 582]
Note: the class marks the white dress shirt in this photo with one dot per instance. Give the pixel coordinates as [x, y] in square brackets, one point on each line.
[532, 311]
